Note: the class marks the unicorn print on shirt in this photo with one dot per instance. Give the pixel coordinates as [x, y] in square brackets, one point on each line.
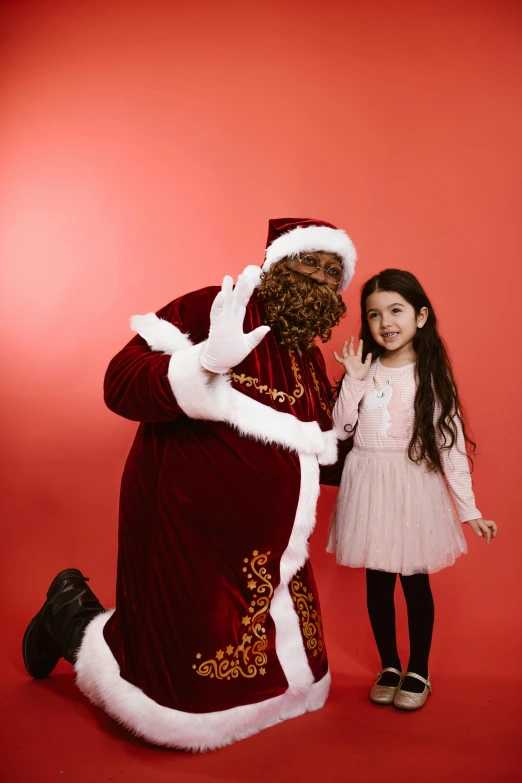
[387, 397]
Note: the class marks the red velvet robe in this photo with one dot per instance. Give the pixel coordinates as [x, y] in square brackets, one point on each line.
[217, 631]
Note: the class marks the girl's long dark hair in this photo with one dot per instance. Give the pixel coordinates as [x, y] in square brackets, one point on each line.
[435, 382]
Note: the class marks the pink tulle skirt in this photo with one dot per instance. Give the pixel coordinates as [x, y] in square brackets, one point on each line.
[393, 515]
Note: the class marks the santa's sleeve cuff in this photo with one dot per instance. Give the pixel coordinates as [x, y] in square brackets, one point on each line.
[199, 394]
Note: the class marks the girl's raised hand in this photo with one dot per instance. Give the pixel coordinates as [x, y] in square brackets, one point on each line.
[484, 527]
[352, 362]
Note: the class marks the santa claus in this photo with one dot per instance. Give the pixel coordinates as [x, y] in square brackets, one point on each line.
[217, 630]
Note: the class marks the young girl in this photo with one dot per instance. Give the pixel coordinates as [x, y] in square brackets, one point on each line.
[394, 514]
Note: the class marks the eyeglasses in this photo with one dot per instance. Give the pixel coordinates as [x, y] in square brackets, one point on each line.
[309, 264]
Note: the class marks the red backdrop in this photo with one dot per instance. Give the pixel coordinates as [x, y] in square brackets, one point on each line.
[144, 147]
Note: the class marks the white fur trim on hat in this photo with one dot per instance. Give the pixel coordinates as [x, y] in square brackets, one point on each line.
[319, 238]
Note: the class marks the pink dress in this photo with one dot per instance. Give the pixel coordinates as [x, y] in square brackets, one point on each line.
[392, 514]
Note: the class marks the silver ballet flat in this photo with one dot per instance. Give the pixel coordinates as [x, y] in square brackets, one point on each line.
[385, 694]
[406, 700]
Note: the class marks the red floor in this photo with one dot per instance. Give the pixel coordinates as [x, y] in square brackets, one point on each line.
[468, 731]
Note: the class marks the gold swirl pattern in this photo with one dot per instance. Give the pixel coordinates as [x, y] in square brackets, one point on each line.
[248, 658]
[324, 406]
[278, 396]
[310, 619]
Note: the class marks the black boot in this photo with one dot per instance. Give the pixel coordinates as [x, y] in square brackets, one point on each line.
[57, 630]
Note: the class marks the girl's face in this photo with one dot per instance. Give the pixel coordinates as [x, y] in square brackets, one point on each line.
[392, 320]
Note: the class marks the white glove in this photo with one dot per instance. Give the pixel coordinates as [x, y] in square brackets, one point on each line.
[227, 344]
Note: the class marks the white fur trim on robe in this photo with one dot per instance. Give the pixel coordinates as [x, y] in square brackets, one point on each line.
[98, 677]
[213, 398]
[98, 673]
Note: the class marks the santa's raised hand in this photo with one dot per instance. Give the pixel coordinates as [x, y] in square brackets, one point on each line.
[352, 362]
[227, 344]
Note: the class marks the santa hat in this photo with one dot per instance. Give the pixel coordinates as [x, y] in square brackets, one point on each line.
[289, 236]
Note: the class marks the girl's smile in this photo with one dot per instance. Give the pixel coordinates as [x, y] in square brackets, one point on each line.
[393, 324]
[389, 337]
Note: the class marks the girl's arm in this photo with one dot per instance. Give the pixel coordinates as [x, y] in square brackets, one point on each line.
[346, 408]
[456, 470]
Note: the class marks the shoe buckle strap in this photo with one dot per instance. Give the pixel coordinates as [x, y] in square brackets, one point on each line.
[418, 677]
[389, 669]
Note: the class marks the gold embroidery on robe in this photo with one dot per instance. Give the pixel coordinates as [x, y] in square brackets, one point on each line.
[310, 619]
[248, 658]
[324, 406]
[279, 396]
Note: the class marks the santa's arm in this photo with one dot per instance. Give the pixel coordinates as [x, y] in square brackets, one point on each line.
[332, 474]
[137, 384]
[164, 373]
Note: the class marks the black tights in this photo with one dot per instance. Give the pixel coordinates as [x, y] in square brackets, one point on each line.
[380, 588]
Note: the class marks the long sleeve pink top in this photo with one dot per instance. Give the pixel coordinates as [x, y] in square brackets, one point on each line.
[381, 410]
